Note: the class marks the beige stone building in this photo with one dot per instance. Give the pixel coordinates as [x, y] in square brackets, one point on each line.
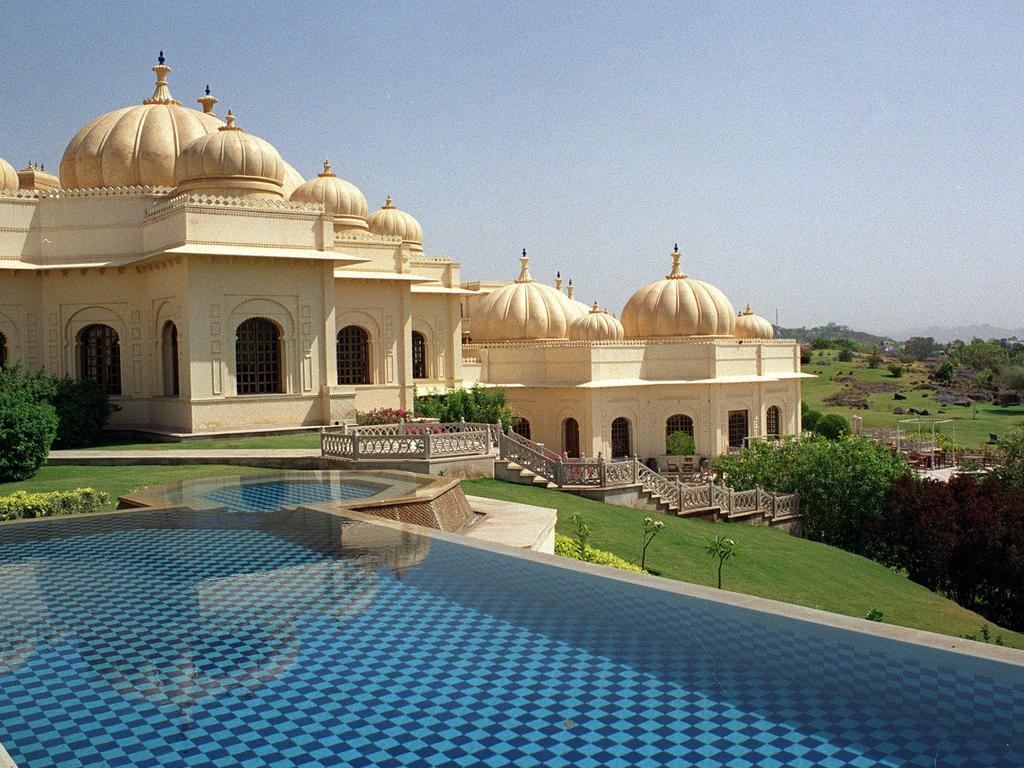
[180, 263]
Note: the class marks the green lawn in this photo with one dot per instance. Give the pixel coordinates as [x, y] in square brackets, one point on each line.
[303, 440]
[119, 480]
[769, 563]
[971, 426]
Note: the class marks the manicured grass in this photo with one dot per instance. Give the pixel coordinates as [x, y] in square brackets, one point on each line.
[971, 426]
[769, 563]
[117, 481]
[303, 440]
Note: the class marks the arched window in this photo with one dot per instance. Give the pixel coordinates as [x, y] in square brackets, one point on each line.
[100, 357]
[419, 355]
[3, 349]
[522, 428]
[169, 340]
[258, 358]
[353, 355]
[620, 437]
[571, 438]
[678, 422]
[773, 418]
[738, 424]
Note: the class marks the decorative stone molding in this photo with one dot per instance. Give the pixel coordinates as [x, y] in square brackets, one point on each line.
[635, 343]
[221, 201]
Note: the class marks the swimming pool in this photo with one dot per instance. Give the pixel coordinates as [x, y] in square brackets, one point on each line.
[298, 638]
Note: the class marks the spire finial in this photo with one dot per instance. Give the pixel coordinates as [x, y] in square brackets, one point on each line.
[230, 120]
[676, 273]
[327, 170]
[208, 101]
[558, 280]
[571, 290]
[162, 94]
[594, 309]
[388, 203]
[749, 311]
[524, 272]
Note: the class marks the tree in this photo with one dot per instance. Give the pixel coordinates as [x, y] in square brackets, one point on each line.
[821, 343]
[28, 422]
[946, 371]
[482, 405]
[809, 417]
[896, 370]
[1012, 377]
[842, 483]
[919, 347]
[979, 355]
[845, 355]
[651, 529]
[83, 410]
[722, 549]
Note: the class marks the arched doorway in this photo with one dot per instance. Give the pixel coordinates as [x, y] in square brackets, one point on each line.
[353, 349]
[419, 355]
[678, 422]
[258, 358]
[621, 438]
[99, 357]
[571, 438]
[169, 342]
[737, 428]
[773, 421]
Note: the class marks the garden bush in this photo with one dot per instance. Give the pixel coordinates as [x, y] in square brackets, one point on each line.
[382, 416]
[842, 483]
[896, 370]
[21, 504]
[832, 426]
[28, 422]
[83, 410]
[808, 416]
[680, 444]
[482, 405]
[566, 546]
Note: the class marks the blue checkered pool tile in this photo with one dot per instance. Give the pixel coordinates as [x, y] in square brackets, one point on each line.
[267, 497]
[135, 640]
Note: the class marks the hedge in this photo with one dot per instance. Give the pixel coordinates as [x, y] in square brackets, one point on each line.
[566, 546]
[22, 504]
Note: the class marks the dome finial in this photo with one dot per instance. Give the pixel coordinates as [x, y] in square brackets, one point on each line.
[208, 101]
[327, 170]
[388, 203]
[571, 290]
[230, 119]
[524, 272]
[558, 280]
[594, 309]
[676, 273]
[162, 94]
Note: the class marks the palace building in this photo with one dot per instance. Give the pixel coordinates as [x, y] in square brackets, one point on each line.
[183, 265]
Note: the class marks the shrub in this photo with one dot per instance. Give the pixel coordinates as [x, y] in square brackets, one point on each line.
[680, 444]
[809, 416]
[28, 422]
[482, 405]
[22, 505]
[83, 410]
[842, 483]
[1012, 377]
[382, 416]
[845, 355]
[874, 360]
[821, 343]
[832, 426]
[566, 546]
[946, 371]
[896, 370]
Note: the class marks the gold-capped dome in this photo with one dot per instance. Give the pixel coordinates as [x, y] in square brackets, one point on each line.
[340, 198]
[596, 325]
[751, 326]
[8, 177]
[390, 221]
[523, 310]
[137, 145]
[230, 162]
[678, 305]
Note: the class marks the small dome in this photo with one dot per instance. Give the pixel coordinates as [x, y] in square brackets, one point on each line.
[523, 310]
[8, 176]
[751, 326]
[134, 146]
[596, 325]
[292, 180]
[230, 162]
[394, 222]
[678, 306]
[338, 197]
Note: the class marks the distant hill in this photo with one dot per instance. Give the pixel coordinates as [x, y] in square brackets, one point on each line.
[946, 334]
[830, 331]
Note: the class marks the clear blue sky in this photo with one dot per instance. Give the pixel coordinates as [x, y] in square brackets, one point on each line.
[856, 162]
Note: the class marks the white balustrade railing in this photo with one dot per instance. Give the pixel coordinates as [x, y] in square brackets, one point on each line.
[407, 441]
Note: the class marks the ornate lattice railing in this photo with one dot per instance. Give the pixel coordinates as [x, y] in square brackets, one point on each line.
[399, 441]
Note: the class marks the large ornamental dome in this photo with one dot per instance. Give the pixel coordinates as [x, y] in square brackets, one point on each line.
[134, 146]
[340, 198]
[230, 161]
[390, 221]
[523, 310]
[678, 306]
[596, 325]
[8, 176]
[751, 326]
